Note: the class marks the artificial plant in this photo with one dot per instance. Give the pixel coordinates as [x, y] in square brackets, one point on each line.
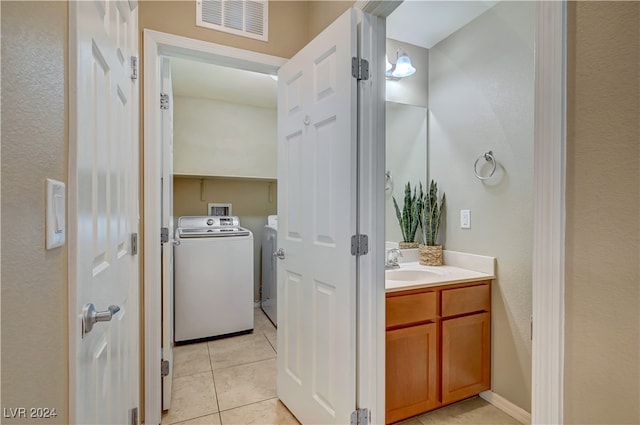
[409, 219]
[431, 214]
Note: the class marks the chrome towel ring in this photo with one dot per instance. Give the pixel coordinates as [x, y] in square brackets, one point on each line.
[388, 181]
[488, 156]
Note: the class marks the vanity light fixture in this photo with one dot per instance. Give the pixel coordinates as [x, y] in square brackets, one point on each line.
[388, 66]
[402, 67]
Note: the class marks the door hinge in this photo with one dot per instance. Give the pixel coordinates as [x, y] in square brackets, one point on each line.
[164, 235]
[134, 67]
[164, 368]
[360, 417]
[164, 101]
[133, 418]
[359, 245]
[360, 68]
[134, 244]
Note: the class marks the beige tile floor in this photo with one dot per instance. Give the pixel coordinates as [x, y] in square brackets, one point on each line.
[473, 411]
[233, 381]
[228, 381]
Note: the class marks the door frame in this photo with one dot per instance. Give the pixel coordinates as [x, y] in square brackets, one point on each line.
[157, 44]
[548, 262]
[549, 200]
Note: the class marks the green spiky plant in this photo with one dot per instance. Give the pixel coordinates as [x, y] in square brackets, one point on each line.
[431, 214]
[409, 218]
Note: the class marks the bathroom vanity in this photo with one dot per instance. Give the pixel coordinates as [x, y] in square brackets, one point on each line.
[438, 339]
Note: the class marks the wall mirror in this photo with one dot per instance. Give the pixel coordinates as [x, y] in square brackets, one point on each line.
[406, 158]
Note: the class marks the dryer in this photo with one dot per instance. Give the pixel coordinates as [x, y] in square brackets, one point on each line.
[269, 282]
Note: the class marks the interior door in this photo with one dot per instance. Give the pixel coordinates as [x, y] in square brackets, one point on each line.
[167, 222]
[103, 176]
[317, 153]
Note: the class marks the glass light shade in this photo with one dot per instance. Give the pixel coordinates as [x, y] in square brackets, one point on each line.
[403, 67]
[388, 65]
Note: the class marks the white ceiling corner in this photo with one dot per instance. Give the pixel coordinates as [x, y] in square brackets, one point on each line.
[202, 80]
[425, 23]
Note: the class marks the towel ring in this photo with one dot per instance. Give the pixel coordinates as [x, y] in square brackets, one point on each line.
[488, 156]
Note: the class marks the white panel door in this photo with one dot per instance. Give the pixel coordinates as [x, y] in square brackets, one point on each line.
[317, 151]
[103, 211]
[167, 221]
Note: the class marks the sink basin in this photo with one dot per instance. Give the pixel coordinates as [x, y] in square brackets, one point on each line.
[410, 275]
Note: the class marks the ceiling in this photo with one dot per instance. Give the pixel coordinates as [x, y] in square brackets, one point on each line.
[420, 22]
[425, 22]
[203, 80]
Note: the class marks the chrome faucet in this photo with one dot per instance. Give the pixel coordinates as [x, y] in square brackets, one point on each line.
[392, 258]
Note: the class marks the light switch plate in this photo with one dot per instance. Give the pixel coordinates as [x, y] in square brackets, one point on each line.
[465, 219]
[56, 225]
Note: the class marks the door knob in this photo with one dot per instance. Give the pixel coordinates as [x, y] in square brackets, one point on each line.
[90, 316]
[279, 253]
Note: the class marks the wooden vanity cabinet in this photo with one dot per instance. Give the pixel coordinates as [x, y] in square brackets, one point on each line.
[411, 355]
[438, 347]
[466, 342]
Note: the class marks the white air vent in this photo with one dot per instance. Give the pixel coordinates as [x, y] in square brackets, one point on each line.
[248, 18]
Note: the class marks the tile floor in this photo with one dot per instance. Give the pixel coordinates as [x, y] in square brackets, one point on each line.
[228, 381]
[233, 381]
[473, 411]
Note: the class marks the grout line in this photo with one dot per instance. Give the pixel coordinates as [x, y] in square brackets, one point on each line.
[245, 364]
[195, 417]
[250, 404]
[269, 342]
[213, 378]
[192, 373]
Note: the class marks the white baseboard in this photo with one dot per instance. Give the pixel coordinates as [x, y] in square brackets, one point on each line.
[507, 407]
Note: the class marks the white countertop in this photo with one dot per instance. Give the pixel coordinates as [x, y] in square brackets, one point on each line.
[438, 275]
[460, 267]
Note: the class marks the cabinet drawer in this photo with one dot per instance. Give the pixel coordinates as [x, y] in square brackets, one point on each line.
[407, 309]
[466, 300]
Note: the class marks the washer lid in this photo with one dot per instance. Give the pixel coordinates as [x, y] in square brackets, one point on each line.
[208, 221]
[210, 226]
[212, 232]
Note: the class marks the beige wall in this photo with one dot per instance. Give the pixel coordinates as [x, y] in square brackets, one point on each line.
[322, 13]
[253, 201]
[480, 99]
[602, 345]
[288, 30]
[34, 147]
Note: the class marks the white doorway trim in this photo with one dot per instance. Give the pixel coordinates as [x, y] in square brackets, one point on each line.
[549, 173]
[371, 296]
[157, 44]
[549, 199]
[548, 266]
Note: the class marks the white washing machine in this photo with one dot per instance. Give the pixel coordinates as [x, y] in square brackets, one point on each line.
[269, 302]
[213, 294]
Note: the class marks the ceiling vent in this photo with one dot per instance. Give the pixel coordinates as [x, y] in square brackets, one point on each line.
[247, 18]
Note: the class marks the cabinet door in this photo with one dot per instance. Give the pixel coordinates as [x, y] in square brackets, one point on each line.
[411, 374]
[466, 356]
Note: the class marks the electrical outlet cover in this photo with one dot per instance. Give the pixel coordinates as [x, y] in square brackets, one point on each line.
[465, 219]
